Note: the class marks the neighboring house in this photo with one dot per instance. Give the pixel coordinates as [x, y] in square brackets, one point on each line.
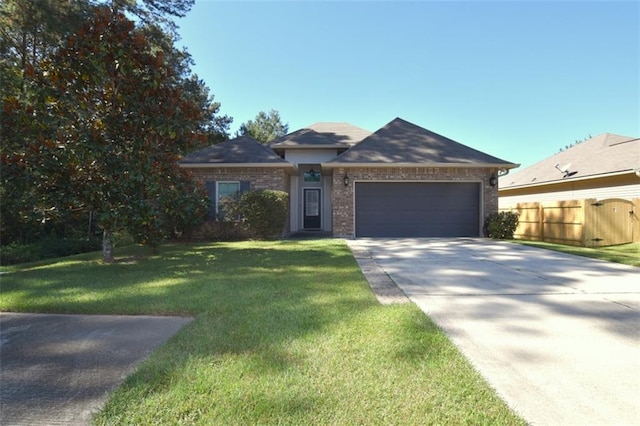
[400, 181]
[603, 167]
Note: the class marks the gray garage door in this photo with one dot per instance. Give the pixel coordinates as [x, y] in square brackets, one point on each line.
[417, 209]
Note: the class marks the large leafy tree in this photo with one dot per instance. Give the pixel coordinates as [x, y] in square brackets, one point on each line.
[30, 30]
[113, 117]
[127, 122]
[265, 127]
[34, 176]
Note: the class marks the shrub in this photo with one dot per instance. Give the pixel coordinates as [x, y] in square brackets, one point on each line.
[220, 231]
[47, 248]
[263, 212]
[11, 254]
[501, 225]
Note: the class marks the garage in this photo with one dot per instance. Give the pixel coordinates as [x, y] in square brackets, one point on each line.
[417, 209]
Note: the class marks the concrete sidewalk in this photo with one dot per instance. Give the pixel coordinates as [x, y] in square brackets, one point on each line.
[60, 369]
[558, 336]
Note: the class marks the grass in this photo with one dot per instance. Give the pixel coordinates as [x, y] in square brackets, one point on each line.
[284, 333]
[628, 254]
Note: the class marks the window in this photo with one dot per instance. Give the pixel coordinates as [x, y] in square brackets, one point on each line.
[312, 176]
[219, 190]
[224, 190]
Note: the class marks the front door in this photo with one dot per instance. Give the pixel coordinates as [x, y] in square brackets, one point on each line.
[312, 208]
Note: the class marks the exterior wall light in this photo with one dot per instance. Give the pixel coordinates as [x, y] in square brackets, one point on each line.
[493, 180]
[345, 179]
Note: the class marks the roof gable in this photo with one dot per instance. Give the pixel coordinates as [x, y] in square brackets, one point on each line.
[243, 149]
[601, 155]
[338, 135]
[402, 142]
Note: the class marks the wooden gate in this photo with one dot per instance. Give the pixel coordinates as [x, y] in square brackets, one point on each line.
[610, 222]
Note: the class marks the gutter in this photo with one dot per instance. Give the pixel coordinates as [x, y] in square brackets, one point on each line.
[573, 179]
[323, 146]
[231, 165]
[503, 166]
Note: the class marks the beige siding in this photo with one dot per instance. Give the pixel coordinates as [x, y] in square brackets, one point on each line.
[624, 186]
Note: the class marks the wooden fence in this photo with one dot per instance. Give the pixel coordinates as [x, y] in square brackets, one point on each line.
[588, 223]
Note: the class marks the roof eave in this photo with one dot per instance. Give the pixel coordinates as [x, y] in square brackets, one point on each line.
[323, 146]
[572, 179]
[453, 165]
[231, 165]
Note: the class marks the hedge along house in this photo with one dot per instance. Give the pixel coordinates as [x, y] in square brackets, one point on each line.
[400, 181]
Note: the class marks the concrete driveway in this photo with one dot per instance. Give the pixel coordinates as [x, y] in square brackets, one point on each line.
[558, 336]
[60, 369]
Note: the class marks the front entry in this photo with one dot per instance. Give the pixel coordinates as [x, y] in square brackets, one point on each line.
[312, 208]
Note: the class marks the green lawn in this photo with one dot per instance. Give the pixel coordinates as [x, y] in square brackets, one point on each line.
[629, 254]
[284, 333]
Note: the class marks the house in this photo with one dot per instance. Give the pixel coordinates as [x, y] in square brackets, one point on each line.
[400, 181]
[587, 195]
[605, 166]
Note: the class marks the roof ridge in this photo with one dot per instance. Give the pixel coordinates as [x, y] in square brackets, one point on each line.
[330, 134]
[326, 122]
[624, 139]
[402, 141]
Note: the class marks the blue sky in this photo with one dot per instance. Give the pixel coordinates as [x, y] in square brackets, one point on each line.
[518, 80]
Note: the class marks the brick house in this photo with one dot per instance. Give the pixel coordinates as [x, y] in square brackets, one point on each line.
[400, 181]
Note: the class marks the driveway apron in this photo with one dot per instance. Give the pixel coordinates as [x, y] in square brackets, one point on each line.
[557, 336]
[60, 369]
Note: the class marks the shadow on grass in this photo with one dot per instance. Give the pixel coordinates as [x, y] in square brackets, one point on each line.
[182, 279]
[244, 295]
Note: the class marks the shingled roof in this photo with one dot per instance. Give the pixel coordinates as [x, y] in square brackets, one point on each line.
[400, 142]
[601, 155]
[242, 150]
[321, 135]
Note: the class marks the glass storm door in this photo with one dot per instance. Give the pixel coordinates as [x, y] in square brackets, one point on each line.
[312, 209]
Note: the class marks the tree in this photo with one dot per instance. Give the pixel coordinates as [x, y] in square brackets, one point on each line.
[154, 12]
[95, 114]
[113, 120]
[30, 31]
[265, 127]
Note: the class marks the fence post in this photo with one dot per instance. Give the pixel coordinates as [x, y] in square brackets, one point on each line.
[541, 221]
[587, 220]
[635, 217]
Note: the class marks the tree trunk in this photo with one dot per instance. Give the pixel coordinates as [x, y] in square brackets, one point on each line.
[107, 247]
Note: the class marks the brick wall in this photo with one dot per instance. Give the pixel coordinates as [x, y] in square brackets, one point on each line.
[343, 198]
[260, 178]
